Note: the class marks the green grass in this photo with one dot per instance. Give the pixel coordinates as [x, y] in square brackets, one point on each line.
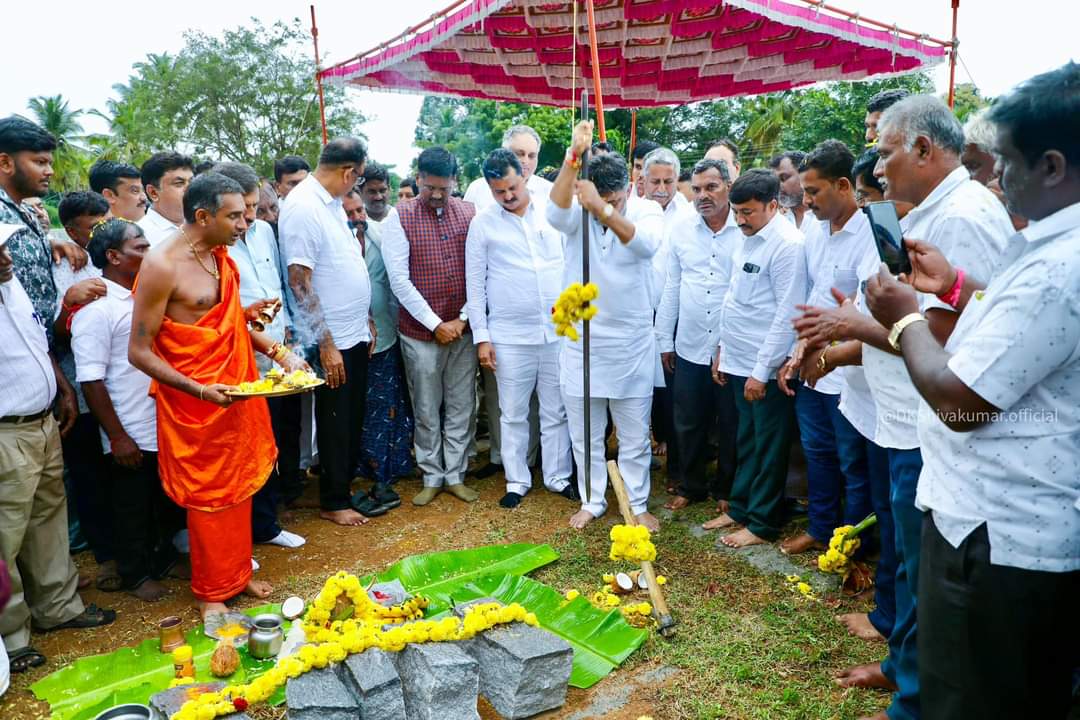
[747, 644]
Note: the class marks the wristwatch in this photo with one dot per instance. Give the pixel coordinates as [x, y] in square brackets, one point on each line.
[607, 212]
[900, 325]
[463, 317]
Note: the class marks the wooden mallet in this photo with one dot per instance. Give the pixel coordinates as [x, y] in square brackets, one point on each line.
[661, 612]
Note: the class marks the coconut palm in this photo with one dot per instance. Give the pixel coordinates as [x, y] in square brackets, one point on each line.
[771, 114]
[70, 159]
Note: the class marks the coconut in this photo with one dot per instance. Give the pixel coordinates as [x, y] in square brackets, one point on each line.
[292, 608]
[225, 660]
[621, 584]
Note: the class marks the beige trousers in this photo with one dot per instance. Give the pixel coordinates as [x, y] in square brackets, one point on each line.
[34, 531]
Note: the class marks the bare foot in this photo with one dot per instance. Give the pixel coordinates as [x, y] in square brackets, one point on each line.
[343, 517]
[149, 590]
[801, 543]
[677, 503]
[742, 538]
[580, 519]
[258, 589]
[864, 676]
[719, 523]
[859, 625]
[648, 520]
[722, 506]
[206, 609]
[660, 450]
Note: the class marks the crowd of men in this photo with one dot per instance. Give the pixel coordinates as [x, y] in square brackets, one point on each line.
[739, 311]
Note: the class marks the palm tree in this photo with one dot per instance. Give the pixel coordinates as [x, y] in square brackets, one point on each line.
[70, 159]
[771, 113]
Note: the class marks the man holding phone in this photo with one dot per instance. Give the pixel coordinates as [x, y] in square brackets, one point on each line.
[768, 279]
[919, 145]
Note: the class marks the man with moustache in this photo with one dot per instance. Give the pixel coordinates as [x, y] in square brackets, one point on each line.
[524, 143]
[514, 266]
[768, 278]
[165, 177]
[786, 166]
[121, 185]
[688, 332]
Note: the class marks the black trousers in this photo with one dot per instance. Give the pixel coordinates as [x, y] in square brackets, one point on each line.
[145, 520]
[91, 485]
[285, 420]
[339, 420]
[699, 403]
[994, 641]
[663, 427]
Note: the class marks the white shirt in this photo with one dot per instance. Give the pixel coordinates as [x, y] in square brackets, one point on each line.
[833, 260]
[674, 214]
[256, 258]
[26, 372]
[99, 339]
[513, 276]
[315, 234]
[699, 270]
[970, 226]
[64, 277]
[1017, 345]
[156, 227]
[856, 400]
[479, 194]
[623, 352]
[768, 279]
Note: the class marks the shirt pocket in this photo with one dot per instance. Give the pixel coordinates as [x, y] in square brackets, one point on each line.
[846, 280]
[746, 286]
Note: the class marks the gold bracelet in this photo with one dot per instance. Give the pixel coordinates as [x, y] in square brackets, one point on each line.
[202, 389]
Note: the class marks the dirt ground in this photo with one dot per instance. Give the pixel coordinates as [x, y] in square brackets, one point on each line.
[445, 524]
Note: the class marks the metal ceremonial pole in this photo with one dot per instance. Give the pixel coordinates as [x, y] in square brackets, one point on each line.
[318, 75]
[585, 250]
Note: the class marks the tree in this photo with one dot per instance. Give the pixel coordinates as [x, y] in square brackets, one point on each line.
[247, 96]
[69, 159]
[967, 101]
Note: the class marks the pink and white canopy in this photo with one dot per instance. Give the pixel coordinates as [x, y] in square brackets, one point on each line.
[651, 52]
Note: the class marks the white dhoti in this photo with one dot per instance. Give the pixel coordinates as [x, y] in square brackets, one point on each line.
[520, 369]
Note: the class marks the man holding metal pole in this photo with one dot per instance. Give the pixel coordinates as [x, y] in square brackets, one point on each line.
[621, 245]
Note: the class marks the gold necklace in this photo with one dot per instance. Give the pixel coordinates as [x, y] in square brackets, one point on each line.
[213, 271]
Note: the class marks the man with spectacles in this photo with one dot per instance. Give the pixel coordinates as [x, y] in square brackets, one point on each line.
[424, 251]
[333, 294]
[121, 186]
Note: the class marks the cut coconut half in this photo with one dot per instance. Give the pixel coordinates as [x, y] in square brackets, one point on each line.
[622, 584]
[292, 608]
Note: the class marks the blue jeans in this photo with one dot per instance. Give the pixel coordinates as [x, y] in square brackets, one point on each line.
[828, 476]
[856, 451]
[902, 664]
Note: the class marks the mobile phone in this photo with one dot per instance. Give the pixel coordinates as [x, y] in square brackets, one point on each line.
[888, 236]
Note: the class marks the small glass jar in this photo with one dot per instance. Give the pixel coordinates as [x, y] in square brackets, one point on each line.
[183, 662]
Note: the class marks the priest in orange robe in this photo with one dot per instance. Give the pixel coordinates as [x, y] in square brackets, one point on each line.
[190, 334]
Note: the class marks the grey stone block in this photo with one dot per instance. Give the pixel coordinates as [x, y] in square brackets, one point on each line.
[524, 670]
[373, 680]
[440, 682]
[320, 695]
[168, 702]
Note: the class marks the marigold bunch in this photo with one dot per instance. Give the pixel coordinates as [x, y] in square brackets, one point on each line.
[842, 546]
[637, 614]
[572, 307]
[632, 542]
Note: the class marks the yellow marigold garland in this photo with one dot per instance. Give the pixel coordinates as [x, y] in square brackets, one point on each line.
[572, 307]
[340, 638]
[632, 542]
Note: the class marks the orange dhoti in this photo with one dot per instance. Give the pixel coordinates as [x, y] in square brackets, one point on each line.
[212, 459]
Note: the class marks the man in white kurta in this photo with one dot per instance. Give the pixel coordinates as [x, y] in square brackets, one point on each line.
[623, 348]
[514, 267]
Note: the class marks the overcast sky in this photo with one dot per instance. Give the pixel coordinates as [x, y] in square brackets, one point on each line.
[81, 49]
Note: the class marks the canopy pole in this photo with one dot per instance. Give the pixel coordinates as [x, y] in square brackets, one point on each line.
[318, 75]
[952, 55]
[595, 54]
[633, 135]
[585, 251]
